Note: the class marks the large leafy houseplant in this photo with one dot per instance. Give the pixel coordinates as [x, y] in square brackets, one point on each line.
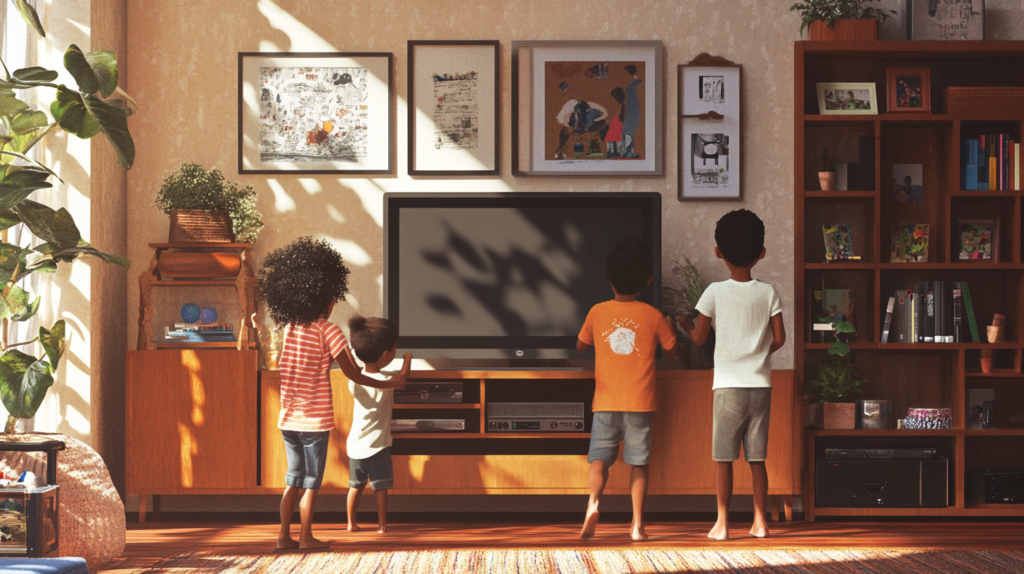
[193, 187]
[85, 112]
[679, 296]
[830, 11]
[837, 380]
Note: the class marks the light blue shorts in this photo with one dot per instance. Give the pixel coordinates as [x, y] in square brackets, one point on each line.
[633, 429]
[307, 457]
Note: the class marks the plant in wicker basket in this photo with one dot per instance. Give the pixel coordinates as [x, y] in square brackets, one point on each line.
[205, 207]
[84, 113]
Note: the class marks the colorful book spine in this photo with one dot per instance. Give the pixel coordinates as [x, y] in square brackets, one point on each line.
[982, 162]
[958, 331]
[1009, 166]
[993, 179]
[888, 319]
[1016, 166]
[972, 324]
[927, 313]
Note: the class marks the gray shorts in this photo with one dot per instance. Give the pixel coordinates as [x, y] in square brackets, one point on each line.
[307, 457]
[377, 470]
[633, 429]
[741, 417]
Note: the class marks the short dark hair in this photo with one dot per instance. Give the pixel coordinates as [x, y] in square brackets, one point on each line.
[629, 265]
[301, 280]
[371, 337]
[740, 237]
[631, 69]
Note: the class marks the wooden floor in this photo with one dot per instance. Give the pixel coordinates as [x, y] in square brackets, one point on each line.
[148, 543]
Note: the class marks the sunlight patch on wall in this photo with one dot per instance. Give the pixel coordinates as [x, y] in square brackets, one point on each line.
[77, 421]
[283, 203]
[267, 46]
[335, 214]
[301, 37]
[311, 185]
[351, 252]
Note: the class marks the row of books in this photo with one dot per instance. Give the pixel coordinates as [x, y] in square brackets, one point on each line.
[991, 162]
[933, 312]
[222, 334]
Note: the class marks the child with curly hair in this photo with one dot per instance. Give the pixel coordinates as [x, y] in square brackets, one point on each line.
[300, 284]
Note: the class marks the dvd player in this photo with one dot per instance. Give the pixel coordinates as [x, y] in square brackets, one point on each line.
[535, 417]
[427, 393]
[856, 453]
[427, 425]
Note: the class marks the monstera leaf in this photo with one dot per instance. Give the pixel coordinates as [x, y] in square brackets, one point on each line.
[24, 381]
[94, 72]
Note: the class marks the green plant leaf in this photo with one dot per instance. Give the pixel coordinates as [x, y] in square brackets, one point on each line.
[24, 381]
[52, 342]
[28, 13]
[130, 99]
[29, 120]
[70, 112]
[11, 106]
[30, 160]
[56, 227]
[34, 76]
[94, 71]
[11, 257]
[8, 219]
[845, 327]
[11, 195]
[839, 348]
[71, 253]
[114, 124]
[20, 305]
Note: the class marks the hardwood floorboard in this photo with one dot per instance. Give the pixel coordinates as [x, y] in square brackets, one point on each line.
[151, 542]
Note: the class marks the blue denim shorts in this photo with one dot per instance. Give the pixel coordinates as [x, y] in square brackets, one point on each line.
[307, 457]
[376, 470]
[633, 429]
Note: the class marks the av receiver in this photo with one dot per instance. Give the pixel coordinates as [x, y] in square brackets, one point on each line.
[427, 425]
[534, 417]
[860, 453]
[427, 393]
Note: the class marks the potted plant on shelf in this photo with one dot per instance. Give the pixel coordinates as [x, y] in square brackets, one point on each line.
[827, 175]
[679, 296]
[206, 208]
[840, 20]
[836, 380]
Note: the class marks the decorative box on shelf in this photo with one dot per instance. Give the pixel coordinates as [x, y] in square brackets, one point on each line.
[29, 524]
[992, 99]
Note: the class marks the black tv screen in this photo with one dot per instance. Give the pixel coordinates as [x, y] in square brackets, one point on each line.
[506, 275]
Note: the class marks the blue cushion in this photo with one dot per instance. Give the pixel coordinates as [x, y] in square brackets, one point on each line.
[43, 566]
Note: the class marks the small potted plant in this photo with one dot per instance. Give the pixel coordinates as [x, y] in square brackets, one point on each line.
[840, 20]
[206, 208]
[827, 175]
[679, 296]
[836, 380]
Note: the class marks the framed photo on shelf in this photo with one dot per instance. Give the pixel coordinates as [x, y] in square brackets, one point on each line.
[978, 239]
[946, 20]
[587, 108]
[454, 107]
[315, 113]
[847, 98]
[710, 124]
[908, 90]
[909, 243]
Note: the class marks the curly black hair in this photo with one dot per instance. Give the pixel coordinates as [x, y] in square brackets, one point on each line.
[740, 237]
[300, 281]
[629, 265]
[371, 337]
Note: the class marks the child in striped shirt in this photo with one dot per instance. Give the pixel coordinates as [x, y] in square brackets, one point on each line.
[300, 284]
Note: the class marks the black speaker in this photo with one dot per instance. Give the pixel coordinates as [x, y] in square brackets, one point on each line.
[882, 483]
[996, 486]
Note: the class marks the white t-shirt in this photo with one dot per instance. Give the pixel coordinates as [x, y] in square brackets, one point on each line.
[371, 418]
[740, 314]
[563, 114]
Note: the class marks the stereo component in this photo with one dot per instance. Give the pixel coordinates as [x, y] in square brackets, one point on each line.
[535, 417]
[428, 393]
[996, 486]
[427, 425]
[856, 453]
[882, 483]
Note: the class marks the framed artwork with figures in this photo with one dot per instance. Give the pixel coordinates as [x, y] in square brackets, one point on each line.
[710, 129]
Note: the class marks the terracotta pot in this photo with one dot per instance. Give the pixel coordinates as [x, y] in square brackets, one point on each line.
[201, 226]
[995, 334]
[998, 320]
[862, 30]
[838, 415]
[987, 359]
[827, 180]
[212, 265]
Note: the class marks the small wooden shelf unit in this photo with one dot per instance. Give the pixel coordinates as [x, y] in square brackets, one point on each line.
[912, 374]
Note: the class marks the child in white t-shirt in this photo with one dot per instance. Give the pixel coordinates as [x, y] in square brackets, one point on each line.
[369, 440]
[747, 317]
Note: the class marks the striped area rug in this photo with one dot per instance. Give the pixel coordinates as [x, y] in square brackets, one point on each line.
[606, 561]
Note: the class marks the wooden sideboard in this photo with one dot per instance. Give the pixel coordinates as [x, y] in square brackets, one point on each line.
[203, 422]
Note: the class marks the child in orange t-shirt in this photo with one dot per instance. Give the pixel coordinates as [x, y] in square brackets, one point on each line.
[625, 333]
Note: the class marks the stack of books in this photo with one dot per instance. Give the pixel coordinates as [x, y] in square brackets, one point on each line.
[990, 162]
[200, 333]
[932, 312]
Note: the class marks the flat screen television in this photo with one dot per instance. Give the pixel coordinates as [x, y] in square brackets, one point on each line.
[506, 275]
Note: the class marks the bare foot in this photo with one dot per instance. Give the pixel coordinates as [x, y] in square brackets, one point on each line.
[353, 528]
[590, 522]
[638, 533]
[286, 543]
[382, 529]
[313, 544]
[759, 530]
[720, 531]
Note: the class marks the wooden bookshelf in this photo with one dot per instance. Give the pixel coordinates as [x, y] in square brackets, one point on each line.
[912, 374]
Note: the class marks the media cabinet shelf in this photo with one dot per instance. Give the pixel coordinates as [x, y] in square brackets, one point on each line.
[912, 374]
[428, 406]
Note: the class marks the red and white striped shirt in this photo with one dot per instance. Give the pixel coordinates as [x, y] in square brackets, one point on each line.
[306, 400]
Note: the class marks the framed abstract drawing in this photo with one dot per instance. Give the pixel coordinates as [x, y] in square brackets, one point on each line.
[978, 239]
[454, 107]
[908, 90]
[587, 108]
[315, 113]
[710, 129]
[945, 20]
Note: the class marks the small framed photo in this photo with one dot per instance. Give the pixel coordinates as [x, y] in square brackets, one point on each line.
[710, 129]
[315, 113]
[847, 98]
[909, 243]
[978, 239]
[908, 90]
[908, 183]
[454, 107]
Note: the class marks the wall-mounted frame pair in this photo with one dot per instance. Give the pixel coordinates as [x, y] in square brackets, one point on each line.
[710, 129]
[454, 107]
[315, 113]
[587, 108]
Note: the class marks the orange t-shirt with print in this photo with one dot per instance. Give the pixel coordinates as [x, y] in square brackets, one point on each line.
[625, 336]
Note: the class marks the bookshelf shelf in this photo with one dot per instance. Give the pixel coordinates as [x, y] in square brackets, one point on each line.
[911, 374]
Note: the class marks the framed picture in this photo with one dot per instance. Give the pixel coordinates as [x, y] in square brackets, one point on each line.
[907, 183]
[978, 239]
[908, 90]
[846, 98]
[454, 105]
[909, 243]
[315, 113]
[945, 20]
[587, 108]
[710, 123]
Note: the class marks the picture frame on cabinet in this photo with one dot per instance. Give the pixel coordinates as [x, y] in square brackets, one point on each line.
[454, 108]
[947, 20]
[847, 98]
[587, 108]
[710, 126]
[908, 90]
[978, 240]
[329, 113]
